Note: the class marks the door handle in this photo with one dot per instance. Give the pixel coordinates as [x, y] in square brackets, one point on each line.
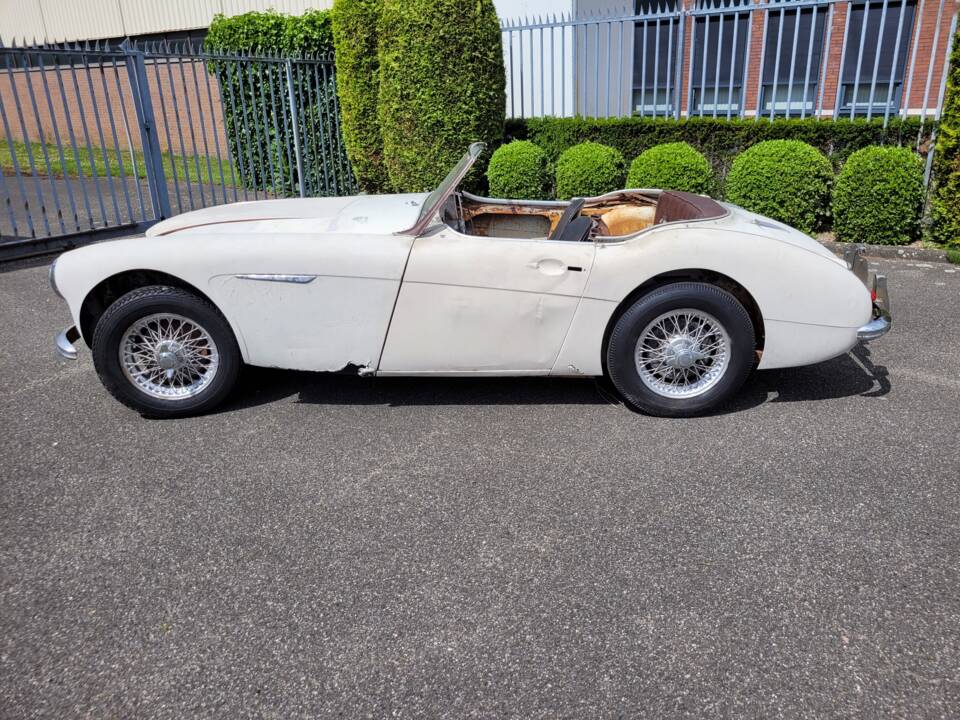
[552, 266]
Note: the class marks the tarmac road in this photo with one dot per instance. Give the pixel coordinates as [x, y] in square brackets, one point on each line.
[328, 546]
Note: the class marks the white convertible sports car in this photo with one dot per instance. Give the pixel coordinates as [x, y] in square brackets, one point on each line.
[675, 297]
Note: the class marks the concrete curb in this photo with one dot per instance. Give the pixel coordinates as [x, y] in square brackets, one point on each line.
[893, 252]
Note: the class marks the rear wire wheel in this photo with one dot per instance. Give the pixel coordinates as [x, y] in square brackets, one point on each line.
[681, 350]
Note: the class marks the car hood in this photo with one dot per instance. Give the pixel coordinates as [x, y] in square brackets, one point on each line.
[359, 214]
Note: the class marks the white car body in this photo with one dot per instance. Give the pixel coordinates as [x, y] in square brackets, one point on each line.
[327, 284]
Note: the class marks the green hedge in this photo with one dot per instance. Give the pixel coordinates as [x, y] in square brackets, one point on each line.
[442, 86]
[519, 170]
[718, 139]
[878, 197]
[250, 90]
[271, 32]
[945, 209]
[787, 180]
[671, 166]
[358, 84]
[589, 169]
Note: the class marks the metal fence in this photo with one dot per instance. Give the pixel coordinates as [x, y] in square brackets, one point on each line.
[733, 59]
[101, 140]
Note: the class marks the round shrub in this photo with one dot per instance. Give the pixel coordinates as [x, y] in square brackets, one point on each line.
[442, 86]
[589, 169]
[787, 180]
[519, 170]
[878, 196]
[671, 166]
[358, 83]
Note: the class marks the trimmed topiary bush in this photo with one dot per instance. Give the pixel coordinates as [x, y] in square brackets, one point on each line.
[878, 197]
[589, 169]
[671, 166]
[358, 84]
[519, 170]
[945, 210]
[787, 180]
[442, 86]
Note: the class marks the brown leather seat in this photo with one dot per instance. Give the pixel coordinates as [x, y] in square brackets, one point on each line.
[676, 206]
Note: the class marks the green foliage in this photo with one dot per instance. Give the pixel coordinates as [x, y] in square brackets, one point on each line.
[358, 84]
[589, 169]
[671, 166]
[720, 140]
[946, 159]
[787, 180]
[878, 196]
[254, 95]
[441, 86]
[520, 171]
[271, 32]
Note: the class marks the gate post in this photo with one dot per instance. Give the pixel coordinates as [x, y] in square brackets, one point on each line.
[295, 121]
[147, 124]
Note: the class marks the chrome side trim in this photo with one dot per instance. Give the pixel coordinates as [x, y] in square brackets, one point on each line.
[267, 277]
[65, 343]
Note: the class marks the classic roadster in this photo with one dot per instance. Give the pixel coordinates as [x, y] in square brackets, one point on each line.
[675, 297]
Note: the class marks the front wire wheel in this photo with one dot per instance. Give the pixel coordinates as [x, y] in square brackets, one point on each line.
[169, 356]
[166, 352]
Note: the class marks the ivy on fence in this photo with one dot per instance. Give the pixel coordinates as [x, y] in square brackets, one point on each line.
[278, 91]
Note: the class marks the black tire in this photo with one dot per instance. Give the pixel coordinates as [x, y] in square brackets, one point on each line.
[622, 367]
[141, 303]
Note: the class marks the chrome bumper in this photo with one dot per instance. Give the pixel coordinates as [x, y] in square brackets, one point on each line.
[877, 285]
[65, 341]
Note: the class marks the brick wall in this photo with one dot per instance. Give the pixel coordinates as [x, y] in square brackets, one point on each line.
[178, 91]
[926, 22]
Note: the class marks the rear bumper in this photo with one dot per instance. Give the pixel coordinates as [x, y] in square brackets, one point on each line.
[65, 343]
[877, 286]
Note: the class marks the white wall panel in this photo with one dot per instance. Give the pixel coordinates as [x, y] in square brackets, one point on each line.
[57, 20]
[20, 19]
[143, 17]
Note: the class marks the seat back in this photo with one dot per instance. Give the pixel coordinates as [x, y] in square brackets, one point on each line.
[577, 230]
[572, 211]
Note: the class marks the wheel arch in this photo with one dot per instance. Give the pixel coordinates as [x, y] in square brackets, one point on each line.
[109, 290]
[710, 277]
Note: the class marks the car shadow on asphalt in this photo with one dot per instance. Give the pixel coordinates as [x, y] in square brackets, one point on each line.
[849, 375]
[853, 374]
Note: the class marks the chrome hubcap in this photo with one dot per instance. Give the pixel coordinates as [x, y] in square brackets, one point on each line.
[168, 356]
[682, 353]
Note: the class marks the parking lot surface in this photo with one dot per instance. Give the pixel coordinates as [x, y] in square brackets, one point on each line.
[330, 546]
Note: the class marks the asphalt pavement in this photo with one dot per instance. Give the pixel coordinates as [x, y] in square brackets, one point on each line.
[330, 546]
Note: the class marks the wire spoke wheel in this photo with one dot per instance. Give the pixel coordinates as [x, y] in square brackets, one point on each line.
[168, 356]
[682, 353]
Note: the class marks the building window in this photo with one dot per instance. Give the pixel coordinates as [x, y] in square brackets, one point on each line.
[791, 60]
[654, 57]
[719, 50]
[872, 79]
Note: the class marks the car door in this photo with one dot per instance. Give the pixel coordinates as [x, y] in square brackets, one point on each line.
[471, 304]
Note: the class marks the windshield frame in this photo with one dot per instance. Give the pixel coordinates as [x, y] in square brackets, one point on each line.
[435, 200]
